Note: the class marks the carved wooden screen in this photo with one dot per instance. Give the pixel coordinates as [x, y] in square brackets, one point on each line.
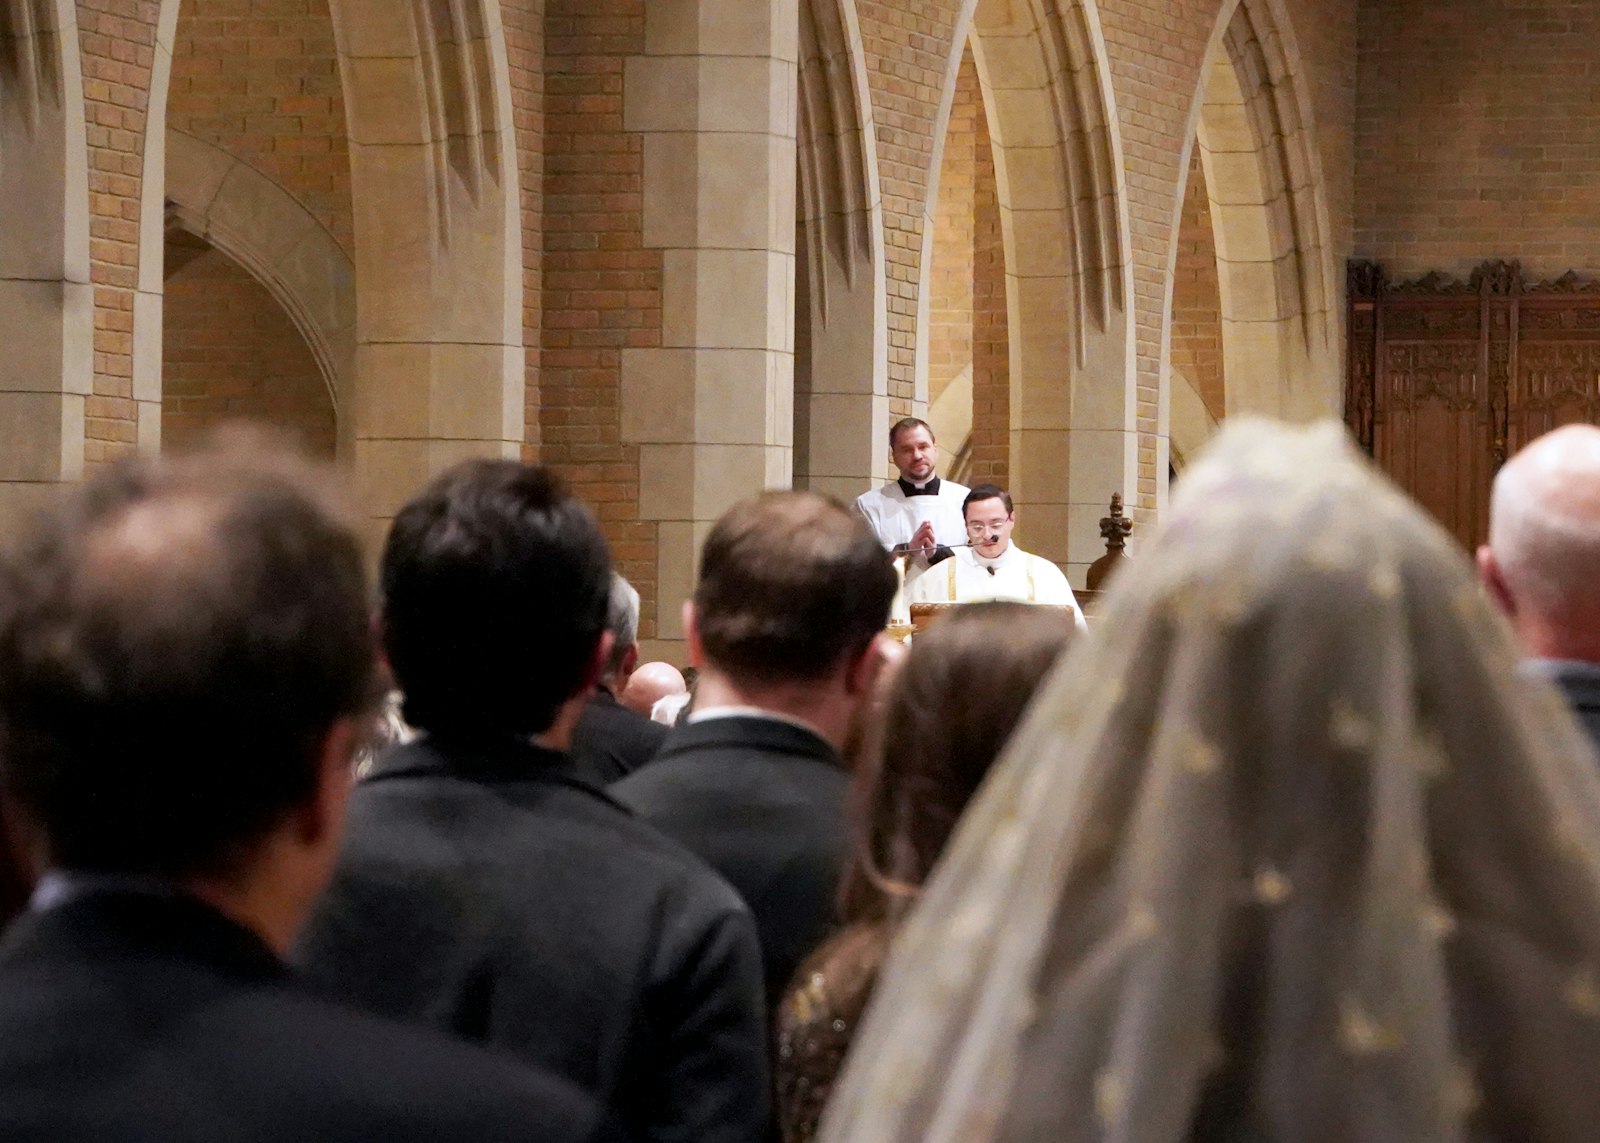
[1447, 378]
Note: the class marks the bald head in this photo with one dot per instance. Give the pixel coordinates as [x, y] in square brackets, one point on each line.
[649, 684]
[1542, 561]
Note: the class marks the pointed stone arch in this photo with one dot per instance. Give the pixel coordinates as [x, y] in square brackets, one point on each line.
[841, 283]
[439, 373]
[46, 300]
[269, 233]
[1277, 277]
[1047, 95]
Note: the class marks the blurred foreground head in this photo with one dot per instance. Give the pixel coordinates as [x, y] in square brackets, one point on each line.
[1289, 852]
[177, 644]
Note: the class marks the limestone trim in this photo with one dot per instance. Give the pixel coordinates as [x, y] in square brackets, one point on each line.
[440, 361]
[273, 236]
[841, 288]
[1276, 272]
[46, 296]
[1192, 422]
[712, 409]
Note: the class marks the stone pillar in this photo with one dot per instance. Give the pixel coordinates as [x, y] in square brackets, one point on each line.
[46, 300]
[439, 353]
[712, 408]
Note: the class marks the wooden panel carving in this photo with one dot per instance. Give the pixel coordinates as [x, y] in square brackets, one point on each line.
[1447, 377]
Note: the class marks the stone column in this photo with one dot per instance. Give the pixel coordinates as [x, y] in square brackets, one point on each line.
[712, 408]
[439, 353]
[46, 301]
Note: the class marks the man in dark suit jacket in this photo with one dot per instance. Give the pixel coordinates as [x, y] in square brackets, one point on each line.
[485, 888]
[785, 624]
[188, 830]
[1542, 561]
[611, 741]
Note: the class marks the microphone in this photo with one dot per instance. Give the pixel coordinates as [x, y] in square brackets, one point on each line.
[908, 550]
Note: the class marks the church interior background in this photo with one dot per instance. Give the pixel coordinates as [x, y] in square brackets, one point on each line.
[687, 249]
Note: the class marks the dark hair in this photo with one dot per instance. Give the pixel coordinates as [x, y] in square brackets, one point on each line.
[175, 645]
[495, 585]
[791, 584]
[905, 425]
[986, 492]
[949, 711]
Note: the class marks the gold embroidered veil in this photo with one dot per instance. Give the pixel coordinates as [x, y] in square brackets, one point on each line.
[1285, 852]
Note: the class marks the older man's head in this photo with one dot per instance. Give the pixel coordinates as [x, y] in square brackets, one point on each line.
[651, 683]
[1542, 561]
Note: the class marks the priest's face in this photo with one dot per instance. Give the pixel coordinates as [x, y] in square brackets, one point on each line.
[915, 454]
[989, 527]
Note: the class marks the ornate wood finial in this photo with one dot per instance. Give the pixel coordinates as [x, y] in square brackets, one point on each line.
[1498, 278]
[1114, 530]
[1364, 279]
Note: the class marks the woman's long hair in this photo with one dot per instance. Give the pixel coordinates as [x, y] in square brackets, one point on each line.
[948, 712]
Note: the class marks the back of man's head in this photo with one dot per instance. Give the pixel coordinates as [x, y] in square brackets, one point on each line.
[175, 646]
[1544, 536]
[792, 587]
[495, 585]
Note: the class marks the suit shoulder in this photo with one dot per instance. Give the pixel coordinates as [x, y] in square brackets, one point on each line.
[441, 1089]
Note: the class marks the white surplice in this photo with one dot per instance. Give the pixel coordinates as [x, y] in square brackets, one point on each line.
[967, 577]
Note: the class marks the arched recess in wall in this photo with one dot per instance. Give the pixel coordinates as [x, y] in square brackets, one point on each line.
[1045, 83]
[841, 289]
[266, 230]
[438, 248]
[46, 302]
[1276, 277]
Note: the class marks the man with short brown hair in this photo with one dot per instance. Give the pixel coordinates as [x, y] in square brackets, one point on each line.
[784, 626]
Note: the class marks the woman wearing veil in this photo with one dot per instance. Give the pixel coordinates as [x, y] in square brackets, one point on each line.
[1288, 854]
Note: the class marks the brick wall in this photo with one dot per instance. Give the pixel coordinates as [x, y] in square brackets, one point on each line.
[231, 351]
[1478, 134]
[524, 28]
[602, 288]
[991, 341]
[950, 275]
[1196, 301]
[116, 43]
[260, 79]
[907, 45]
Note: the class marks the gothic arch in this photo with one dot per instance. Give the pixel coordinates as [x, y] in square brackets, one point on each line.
[1046, 92]
[1276, 275]
[266, 230]
[439, 371]
[841, 286]
[46, 301]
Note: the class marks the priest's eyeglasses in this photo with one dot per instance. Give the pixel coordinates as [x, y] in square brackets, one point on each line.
[979, 527]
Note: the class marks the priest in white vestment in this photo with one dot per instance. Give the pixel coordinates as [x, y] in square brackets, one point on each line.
[918, 515]
[990, 566]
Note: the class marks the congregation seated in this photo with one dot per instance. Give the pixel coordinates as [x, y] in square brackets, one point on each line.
[1297, 856]
[1542, 561]
[989, 565]
[612, 740]
[485, 888]
[947, 713]
[784, 627]
[143, 996]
